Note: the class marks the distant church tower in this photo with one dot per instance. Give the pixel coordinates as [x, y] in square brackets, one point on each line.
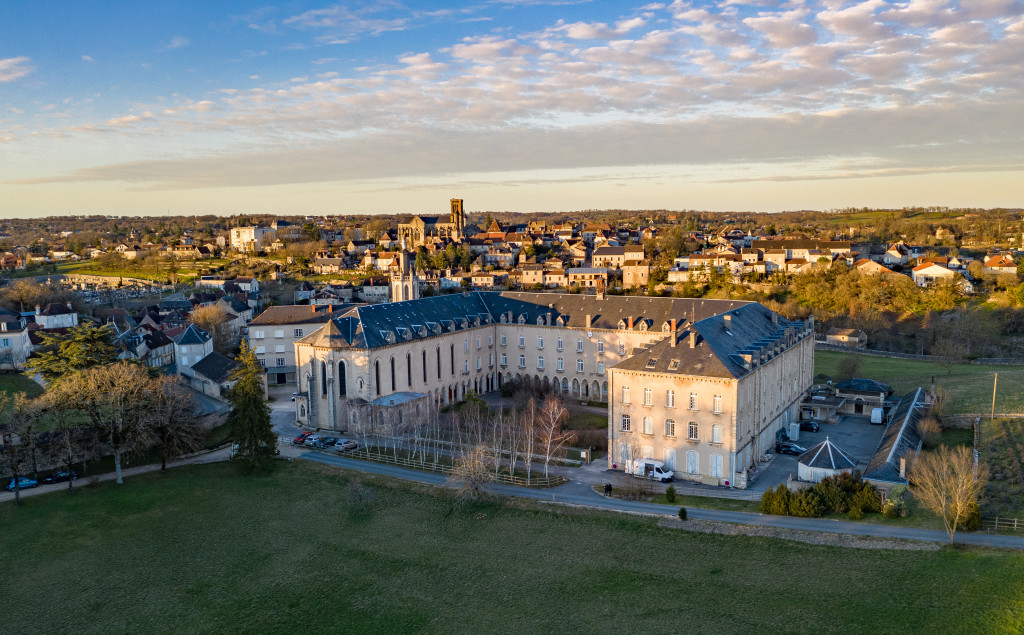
[404, 285]
[458, 219]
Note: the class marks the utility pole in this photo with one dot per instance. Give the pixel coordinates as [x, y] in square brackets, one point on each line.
[995, 380]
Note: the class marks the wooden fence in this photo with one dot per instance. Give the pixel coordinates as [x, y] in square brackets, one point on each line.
[996, 522]
[533, 481]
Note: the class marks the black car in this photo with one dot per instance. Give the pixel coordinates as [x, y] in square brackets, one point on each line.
[809, 426]
[61, 477]
[789, 448]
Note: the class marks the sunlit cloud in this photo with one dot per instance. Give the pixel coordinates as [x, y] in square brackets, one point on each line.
[14, 68]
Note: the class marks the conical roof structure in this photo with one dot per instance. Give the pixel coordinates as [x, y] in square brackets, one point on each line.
[826, 455]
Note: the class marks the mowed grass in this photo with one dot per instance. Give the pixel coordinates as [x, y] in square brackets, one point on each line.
[12, 383]
[968, 387]
[205, 550]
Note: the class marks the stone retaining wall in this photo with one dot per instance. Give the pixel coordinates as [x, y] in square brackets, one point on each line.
[985, 361]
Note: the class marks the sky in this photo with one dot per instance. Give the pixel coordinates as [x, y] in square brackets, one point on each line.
[513, 105]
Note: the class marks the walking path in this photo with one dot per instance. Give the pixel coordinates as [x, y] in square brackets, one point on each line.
[581, 493]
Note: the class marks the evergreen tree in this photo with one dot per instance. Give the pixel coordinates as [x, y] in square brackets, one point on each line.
[82, 347]
[251, 430]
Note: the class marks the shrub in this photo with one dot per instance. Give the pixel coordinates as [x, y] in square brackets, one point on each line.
[855, 513]
[930, 432]
[890, 510]
[973, 520]
[775, 502]
[682, 513]
[805, 504]
[832, 497]
[868, 500]
[670, 494]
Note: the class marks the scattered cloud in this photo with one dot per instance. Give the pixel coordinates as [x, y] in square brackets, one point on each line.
[14, 68]
[177, 42]
[87, 58]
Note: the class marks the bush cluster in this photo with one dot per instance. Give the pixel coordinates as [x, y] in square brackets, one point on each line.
[841, 494]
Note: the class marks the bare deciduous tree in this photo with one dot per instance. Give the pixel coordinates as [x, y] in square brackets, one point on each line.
[946, 483]
[18, 418]
[117, 400]
[173, 415]
[68, 438]
[211, 319]
[471, 472]
[551, 437]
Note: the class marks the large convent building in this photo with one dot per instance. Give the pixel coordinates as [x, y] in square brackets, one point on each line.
[703, 384]
[422, 229]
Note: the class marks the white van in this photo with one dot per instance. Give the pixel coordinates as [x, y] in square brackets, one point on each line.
[652, 469]
[877, 415]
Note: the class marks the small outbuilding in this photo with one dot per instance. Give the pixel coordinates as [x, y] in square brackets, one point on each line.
[822, 461]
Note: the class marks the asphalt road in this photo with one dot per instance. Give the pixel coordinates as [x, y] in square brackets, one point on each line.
[580, 493]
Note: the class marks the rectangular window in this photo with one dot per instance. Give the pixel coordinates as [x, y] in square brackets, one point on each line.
[561, 364]
[263, 362]
[257, 335]
[477, 342]
[279, 348]
[716, 434]
[579, 346]
[502, 339]
[465, 366]
[540, 363]
[691, 432]
[717, 405]
[465, 345]
[504, 359]
[600, 348]
[648, 425]
[559, 343]
[278, 334]
[670, 428]
[625, 423]
[579, 365]
[692, 462]
[279, 361]
[522, 361]
[298, 332]
[479, 363]
[622, 348]
[522, 341]
[625, 394]
[670, 399]
[693, 401]
[490, 340]
[490, 360]
[600, 368]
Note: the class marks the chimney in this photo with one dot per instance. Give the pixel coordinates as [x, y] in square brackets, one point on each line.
[673, 335]
[39, 310]
[693, 339]
[69, 305]
[775, 317]
[630, 323]
[588, 321]
[903, 467]
[728, 320]
[599, 295]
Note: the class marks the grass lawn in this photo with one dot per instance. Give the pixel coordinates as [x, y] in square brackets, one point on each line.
[203, 549]
[12, 383]
[968, 387]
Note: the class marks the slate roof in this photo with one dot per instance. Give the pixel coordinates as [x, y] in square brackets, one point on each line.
[57, 308]
[899, 439]
[827, 456]
[720, 343]
[863, 385]
[215, 367]
[192, 335]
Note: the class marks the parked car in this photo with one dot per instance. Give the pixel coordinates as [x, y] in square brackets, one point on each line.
[23, 483]
[809, 426]
[61, 477]
[789, 448]
[324, 442]
[299, 440]
[313, 439]
[652, 469]
[345, 445]
[294, 395]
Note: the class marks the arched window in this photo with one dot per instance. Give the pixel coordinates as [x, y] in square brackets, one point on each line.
[453, 359]
[439, 362]
[392, 374]
[342, 380]
[424, 366]
[376, 375]
[408, 368]
[323, 379]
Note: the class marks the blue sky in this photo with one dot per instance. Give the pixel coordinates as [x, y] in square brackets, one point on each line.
[525, 105]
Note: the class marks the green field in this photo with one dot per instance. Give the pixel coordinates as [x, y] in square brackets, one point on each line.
[968, 387]
[16, 382]
[202, 549]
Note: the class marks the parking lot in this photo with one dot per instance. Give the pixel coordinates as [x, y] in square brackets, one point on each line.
[854, 435]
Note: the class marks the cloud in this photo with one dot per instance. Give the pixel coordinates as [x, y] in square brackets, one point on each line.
[87, 58]
[177, 42]
[14, 68]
